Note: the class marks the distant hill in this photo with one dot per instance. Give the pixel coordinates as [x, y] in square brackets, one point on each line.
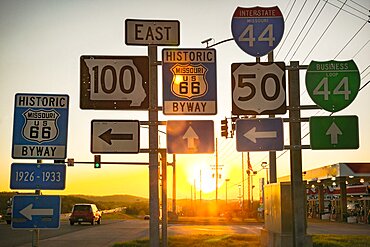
[103, 202]
[114, 198]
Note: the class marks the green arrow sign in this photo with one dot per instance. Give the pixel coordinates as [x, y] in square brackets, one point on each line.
[333, 85]
[340, 132]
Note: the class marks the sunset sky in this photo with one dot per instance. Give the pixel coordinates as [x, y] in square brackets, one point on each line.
[41, 43]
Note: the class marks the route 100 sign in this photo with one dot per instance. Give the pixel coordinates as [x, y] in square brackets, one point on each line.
[333, 85]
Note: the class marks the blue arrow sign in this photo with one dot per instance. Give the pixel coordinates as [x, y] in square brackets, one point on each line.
[258, 30]
[38, 176]
[190, 137]
[40, 126]
[264, 134]
[36, 212]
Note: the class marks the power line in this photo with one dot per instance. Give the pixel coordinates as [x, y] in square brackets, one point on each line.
[361, 48]
[304, 26]
[326, 29]
[351, 39]
[349, 6]
[346, 11]
[359, 5]
[314, 21]
[295, 20]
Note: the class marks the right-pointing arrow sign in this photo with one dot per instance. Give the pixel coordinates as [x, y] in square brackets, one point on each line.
[333, 131]
[264, 134]
[253, 135]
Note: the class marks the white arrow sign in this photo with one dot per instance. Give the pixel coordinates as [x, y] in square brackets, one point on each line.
[190, 135]
[333, 131]
[252, 134]
[28, 211]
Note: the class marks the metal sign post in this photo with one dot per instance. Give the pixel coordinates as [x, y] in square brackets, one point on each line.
[298, 193]
[153, 148]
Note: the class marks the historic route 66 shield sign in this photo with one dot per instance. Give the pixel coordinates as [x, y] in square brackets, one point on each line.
[333, 85]
[258, 30]
[40, 126]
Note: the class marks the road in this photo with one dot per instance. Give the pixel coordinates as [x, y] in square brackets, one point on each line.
[112, 231]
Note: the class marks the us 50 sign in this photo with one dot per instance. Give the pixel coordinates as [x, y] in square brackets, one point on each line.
[258, 88]
[114, 82]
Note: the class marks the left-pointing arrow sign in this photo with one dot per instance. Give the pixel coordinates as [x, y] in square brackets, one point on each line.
[107, 136]
[29, 211]
[253, 135]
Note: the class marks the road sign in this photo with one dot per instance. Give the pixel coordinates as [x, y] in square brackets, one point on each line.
[339, 132]
[40, 126]
[263, 134]
[333, 85]
[35, 212]
[115, 136]
[189, 81]
[152, 32]
[258, 30]
[114, 82]
[258, 88]
[38, 176]
[190, 137]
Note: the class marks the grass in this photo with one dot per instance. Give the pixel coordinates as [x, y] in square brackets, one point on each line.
[203, 240]
[331, 240]
[237, 240]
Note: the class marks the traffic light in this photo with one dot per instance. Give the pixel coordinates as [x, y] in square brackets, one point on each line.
[224, 128]
[71, 162]
[97, 161]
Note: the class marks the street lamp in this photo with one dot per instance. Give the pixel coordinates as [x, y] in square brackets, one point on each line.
[265, 166]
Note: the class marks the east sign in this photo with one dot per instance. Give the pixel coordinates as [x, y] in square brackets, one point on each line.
[189, 82]
[333, 85]
[152, 32]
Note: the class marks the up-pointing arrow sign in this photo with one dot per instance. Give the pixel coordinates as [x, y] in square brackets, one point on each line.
[29, 211]
[190, 135]
[333, 131]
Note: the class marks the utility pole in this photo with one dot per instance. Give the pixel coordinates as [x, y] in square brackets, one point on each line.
[216, 171]
[243, 170]
[200, 185]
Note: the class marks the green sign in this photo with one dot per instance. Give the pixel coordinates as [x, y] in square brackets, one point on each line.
[333, 85]
[339, 132]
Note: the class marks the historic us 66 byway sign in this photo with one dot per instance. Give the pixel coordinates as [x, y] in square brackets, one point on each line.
[189, 82]
[40, 126]
[258, 30]
[114, 83]
[258, 88]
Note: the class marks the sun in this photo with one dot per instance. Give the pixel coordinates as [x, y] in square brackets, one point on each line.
[202, 176]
